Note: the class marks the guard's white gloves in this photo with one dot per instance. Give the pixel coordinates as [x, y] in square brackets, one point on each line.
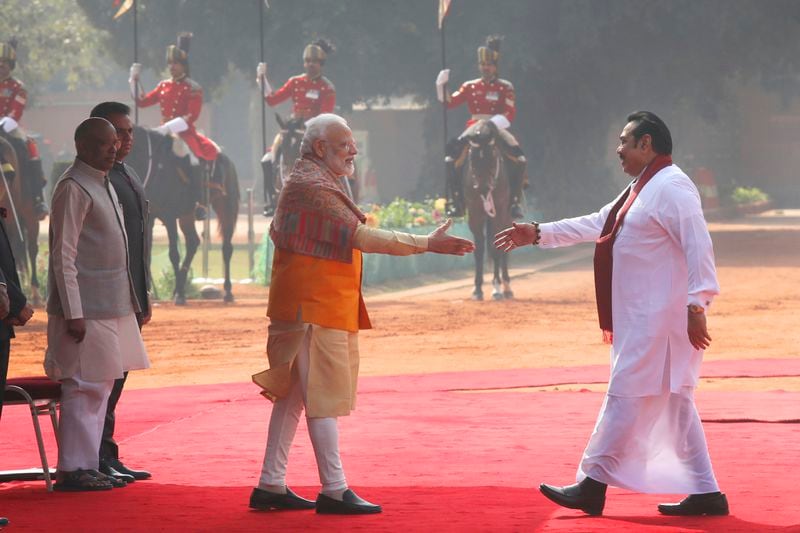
[136, 71]
[176, 125]
[8, 124]
[500, 121]
[133, 78]
[441, 81]
[261, 78]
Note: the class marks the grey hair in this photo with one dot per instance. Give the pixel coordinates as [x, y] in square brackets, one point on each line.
[316, 128]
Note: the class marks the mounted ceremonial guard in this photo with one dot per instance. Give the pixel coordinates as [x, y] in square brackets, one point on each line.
[13, 98]
[181, 101]
[312, 94]
[487, 97]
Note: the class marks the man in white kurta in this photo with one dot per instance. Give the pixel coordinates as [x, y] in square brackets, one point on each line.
[648, 437]
[92, 333]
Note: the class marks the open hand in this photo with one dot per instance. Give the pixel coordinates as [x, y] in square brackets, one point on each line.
[442, 243]
[519, 234]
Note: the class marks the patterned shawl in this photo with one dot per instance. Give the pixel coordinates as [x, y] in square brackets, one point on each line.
[315, 216]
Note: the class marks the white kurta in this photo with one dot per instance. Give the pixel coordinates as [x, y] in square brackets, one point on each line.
[663, 261]
[111, 346]
[648, 436]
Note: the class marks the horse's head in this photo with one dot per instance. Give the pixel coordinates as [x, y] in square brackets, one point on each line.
[153, 159]
[483, 152]
[292, 132]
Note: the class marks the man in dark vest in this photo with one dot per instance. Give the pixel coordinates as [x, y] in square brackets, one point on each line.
[131, 195]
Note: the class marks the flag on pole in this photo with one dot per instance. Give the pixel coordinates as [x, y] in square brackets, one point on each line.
[126, 5]
[444, 7]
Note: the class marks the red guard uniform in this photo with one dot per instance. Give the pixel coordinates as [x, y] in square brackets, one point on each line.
[310, 97]
[485, 99]
[183, 98]
[13, 98]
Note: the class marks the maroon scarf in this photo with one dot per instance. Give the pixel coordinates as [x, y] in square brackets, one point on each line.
[604, 247]
[315, 216]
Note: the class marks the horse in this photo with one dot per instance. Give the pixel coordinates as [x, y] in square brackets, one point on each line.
[166, 178]
[276, 170]
[22, 222]
[487, 199]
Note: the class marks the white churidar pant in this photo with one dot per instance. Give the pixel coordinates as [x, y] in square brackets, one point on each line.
[283, 423]
[81, 420]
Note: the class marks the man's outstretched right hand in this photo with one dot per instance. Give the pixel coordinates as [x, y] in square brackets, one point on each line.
[442, 243]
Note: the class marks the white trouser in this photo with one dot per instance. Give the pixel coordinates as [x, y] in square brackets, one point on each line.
[652, 444]
[324, 433]
[80, 427]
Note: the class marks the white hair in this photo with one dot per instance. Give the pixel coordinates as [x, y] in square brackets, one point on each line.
[316, 128]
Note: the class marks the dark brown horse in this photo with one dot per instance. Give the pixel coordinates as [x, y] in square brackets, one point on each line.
[166, 178]
[487, 198]
[21, 221]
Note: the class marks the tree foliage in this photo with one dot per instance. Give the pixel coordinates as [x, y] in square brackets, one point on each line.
[579, 66]
[55, 41]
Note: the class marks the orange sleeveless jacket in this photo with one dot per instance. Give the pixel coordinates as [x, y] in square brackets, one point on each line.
[318, 291]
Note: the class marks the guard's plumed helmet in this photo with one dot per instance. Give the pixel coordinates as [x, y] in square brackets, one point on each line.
[180, 53]
[490, 53]
[8, 52]
[318, 50]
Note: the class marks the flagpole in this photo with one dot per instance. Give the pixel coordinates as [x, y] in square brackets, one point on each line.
[447, 191]
[261, 95]
[135, 60]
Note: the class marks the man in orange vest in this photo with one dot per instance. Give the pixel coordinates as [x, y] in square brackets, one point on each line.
[316, 310]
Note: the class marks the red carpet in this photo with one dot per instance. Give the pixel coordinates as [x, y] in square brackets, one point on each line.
[435, 458]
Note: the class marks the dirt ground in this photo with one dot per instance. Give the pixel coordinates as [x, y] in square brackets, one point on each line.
[550, 323]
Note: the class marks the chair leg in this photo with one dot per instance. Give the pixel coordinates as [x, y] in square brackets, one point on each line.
[52, 406]
[42, 454]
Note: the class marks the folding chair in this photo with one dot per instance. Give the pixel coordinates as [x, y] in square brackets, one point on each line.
[41, 395]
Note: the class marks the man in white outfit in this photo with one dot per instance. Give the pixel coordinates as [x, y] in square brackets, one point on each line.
[92, 333]
[654, 281]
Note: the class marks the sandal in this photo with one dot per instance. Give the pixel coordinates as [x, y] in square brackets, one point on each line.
[115, 482]
[80, 481]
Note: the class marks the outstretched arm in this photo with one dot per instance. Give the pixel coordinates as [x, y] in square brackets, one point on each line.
[379, 241]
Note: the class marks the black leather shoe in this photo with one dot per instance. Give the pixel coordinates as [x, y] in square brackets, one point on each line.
[710, 503]
[112, 472]
[350, 504]
[138, 475]
[263, 500]
[589, 496]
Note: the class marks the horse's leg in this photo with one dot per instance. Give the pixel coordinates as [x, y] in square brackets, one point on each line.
[174, 256]
[226, 227]
[497, 294]
[480, 247]
[507, 292]
[192, 241]
[32, 231]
